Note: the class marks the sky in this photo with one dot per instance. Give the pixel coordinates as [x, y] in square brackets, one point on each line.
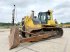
[61, 9]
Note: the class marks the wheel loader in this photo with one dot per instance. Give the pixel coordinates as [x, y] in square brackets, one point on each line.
[35, 28]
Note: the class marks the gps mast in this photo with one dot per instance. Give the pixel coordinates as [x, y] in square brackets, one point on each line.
[13, 15]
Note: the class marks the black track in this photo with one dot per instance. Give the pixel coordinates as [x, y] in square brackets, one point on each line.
[58, 32]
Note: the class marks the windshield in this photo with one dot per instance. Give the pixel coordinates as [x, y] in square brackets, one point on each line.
[43, 16]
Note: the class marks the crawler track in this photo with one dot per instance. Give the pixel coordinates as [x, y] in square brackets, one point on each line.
[56, 32]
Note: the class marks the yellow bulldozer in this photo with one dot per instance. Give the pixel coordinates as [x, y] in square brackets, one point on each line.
[35, 28]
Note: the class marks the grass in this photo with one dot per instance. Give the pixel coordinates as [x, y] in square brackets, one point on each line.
[4, 27]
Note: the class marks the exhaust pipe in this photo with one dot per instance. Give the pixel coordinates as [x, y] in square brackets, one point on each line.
[32, 15]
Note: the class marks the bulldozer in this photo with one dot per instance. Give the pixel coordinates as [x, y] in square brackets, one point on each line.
[35, 28]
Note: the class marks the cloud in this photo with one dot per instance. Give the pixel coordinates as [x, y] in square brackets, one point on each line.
[62, 11]
[24, 7]
[65, 4]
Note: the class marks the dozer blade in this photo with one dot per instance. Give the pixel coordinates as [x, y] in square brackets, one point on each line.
[14, 37]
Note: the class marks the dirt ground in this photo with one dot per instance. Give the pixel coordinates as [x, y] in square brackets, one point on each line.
[54, 45]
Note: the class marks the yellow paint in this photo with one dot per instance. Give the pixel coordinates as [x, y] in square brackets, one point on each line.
[29, 23]
[51, 22]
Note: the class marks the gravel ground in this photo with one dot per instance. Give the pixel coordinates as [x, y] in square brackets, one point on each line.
[54, 45]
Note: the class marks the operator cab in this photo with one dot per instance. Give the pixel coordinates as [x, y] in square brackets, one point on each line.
[44, 17]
